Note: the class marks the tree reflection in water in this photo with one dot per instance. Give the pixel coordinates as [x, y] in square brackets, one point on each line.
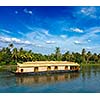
[88, 71]
[29, 80]
[86, 81]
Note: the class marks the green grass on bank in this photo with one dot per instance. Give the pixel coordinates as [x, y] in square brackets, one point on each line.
[86, 65]
[8, 67]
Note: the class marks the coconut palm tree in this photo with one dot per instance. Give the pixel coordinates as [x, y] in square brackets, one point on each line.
[15, 54]
[83, 55]
[58, 54]
[89, 55]
[11, 45]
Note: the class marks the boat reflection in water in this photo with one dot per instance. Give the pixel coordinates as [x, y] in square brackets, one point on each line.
[29, 80]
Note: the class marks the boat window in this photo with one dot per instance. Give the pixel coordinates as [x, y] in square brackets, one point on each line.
[35, 69]
[75, 67]
[66, 67]
[21, 70]
[70, 67]
[49, 68]
[56, 68]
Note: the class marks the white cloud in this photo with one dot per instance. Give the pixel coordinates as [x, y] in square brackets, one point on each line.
[50, 42]
[76, 30]
[4, 39]
[4, 30]
[28, 27]
[39, 34]
[91, 34]
[89, 48]
[46, 32]
[16, 12]
[15, 40]
[89, 37]
[28, 11]
[89, 40]
[63, 36]
[41, 38]
[74, 43]
[39, 46]
[89, 11]
[27, 42]
[77, 42]
[94, 30]
[21, 33]
[25, 10]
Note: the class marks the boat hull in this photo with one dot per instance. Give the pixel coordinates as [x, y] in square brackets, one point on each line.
[45, 72]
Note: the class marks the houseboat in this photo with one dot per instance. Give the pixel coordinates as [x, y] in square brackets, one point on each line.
[39, 67]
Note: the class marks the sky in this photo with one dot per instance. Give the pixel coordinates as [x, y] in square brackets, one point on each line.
[43, 28]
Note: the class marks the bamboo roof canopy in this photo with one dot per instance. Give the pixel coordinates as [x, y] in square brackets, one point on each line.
[47, 63]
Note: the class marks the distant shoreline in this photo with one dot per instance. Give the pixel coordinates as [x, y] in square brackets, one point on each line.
[13, 67]
[8, 67]
[98, 64]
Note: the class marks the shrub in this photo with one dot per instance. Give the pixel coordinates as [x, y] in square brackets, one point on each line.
[3, 63]
[20, 61]
[12, 63]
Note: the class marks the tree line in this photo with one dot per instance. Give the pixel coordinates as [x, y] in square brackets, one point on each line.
[11, 55]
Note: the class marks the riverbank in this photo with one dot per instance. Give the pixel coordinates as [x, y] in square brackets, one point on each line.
[84, 65]
[13, 67]
[8, 67]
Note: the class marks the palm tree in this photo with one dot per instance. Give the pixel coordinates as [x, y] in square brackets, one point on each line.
[58, 54]
[66, 56]
[83, 55]
[29, 55]
[22, 55]
[99, 58]
[15, 54]
[11, 45]
[83, 52]
[95, 57]
[89, 55]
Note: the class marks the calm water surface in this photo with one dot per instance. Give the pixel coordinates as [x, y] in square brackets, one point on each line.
[86, 81]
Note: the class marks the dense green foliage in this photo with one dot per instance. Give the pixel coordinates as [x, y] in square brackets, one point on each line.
[11, 55]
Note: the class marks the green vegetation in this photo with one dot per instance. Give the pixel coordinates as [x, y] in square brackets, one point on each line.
[89, 65]
[11, 55]
[8, 68]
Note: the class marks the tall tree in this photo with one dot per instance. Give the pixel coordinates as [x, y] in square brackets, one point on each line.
[6, 55]
[52, 57]
[88, 56]
[57, 54]
[66, 56]
[95, 58]
[83, 55]
[99, 58]
[11, 45]
[15, 54]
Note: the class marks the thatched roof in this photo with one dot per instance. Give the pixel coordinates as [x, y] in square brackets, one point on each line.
[47, 63]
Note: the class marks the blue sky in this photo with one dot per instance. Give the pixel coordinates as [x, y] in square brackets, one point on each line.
[41, 29]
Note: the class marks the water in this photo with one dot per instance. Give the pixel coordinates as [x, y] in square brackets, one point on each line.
[86, 81]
